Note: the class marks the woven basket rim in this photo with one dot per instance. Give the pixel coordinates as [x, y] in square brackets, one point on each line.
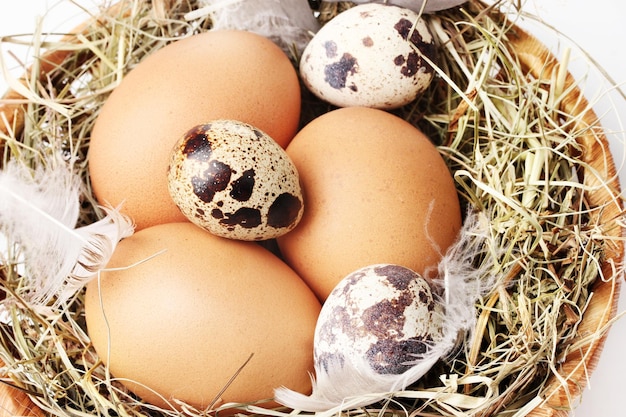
[538, 61]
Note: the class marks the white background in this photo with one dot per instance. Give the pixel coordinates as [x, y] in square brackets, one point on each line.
[599, 30]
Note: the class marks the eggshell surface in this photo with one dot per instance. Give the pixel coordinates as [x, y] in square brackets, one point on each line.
[213, 75]
[376, 191]
[235, 181]
[373, 55]
[380, 319]
[186, 309]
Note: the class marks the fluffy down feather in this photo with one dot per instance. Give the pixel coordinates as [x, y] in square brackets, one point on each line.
[39, 210]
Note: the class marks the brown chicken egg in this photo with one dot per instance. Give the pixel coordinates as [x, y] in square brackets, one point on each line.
[217, 74]
[377, 191]
[179, 311]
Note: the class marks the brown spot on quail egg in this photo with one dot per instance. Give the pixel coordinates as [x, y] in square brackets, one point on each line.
[235, 181]
[371, 55]
[383, 315]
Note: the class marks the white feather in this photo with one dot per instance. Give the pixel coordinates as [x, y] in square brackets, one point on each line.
[353, 383]
[288, 23]
[39, 210]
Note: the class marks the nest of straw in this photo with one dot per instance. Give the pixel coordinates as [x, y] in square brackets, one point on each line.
[525, 149]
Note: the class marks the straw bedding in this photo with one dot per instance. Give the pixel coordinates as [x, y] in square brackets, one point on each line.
[525, 148]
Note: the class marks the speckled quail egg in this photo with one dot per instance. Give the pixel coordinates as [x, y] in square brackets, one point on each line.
[380, 330]
[383, 313]
[371, 55]
[235, 181]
